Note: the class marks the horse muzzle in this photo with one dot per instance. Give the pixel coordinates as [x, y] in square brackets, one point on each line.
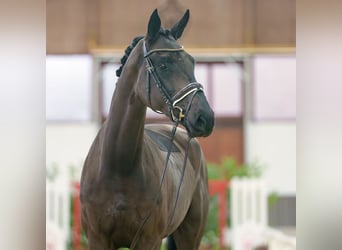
[200, 119]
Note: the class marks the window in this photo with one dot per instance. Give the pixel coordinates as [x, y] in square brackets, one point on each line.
[227, 91]
[274, 87]
[108, 80]
[68, 88]
[221, 82]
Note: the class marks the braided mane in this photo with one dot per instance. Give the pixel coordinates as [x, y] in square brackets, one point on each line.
[127, 53]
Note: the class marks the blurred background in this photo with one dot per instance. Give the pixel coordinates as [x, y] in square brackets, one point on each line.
[245, 58]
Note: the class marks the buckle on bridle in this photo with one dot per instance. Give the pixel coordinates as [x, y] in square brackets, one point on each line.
[181, 114]
[149, 69]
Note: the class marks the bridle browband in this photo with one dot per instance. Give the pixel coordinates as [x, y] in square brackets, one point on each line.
[171, 101]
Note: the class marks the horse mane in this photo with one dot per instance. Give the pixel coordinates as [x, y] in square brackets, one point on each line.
[127, 53]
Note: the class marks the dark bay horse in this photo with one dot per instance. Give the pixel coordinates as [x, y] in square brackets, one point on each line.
[124, 202]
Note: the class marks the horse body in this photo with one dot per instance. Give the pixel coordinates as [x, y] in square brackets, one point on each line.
[115, 206]
[120, 183]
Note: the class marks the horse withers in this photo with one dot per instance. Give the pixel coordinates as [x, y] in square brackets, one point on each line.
[141, 183]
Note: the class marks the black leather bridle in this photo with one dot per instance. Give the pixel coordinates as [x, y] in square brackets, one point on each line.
[191, 89]
[171, 101]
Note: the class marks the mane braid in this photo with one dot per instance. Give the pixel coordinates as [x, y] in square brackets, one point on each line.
[127, 53]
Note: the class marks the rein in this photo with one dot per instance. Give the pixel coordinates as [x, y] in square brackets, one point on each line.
[191, 90]
[173, 133]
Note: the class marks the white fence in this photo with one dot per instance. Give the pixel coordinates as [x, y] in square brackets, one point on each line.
[249, 212]
[277, 240]
[58, 192]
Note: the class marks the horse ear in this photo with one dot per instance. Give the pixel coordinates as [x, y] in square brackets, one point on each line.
[178, 28]
[153, 25]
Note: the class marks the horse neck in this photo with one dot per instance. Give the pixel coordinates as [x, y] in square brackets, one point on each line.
[124, 127]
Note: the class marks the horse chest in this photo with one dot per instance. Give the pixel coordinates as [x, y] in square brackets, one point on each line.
[121, 219]
[124, 204]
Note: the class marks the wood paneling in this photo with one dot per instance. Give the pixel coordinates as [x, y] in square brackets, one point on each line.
[66, 26]
[211, 24]
[214, 24]
[275, 22]
[72, 25]
[223, 142]
[226, 140]
[120, 21]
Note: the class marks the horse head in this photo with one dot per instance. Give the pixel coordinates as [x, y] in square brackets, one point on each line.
[167, 83]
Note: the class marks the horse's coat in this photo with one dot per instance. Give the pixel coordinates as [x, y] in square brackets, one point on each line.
[162, 141]
[122, 172]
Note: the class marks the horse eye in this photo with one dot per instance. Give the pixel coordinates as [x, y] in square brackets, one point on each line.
[163, 67]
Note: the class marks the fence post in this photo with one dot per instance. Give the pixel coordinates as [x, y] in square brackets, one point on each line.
[76, 216]
[219, 187]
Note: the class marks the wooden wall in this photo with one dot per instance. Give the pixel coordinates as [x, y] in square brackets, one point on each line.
[224, 142]
[74, 25]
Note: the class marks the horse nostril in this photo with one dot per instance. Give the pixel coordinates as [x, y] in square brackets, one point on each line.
[201, 122]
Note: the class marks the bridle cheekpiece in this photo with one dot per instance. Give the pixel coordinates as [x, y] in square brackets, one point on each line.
[172, 101]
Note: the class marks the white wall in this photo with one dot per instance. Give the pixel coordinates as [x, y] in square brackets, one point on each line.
[270, 119]
[68, 143]
[273, 144]
[69, 87]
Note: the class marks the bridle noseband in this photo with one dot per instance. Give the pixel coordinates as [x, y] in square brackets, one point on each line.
[171, 101]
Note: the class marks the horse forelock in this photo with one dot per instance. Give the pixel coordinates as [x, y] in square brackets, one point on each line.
[165, 32]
